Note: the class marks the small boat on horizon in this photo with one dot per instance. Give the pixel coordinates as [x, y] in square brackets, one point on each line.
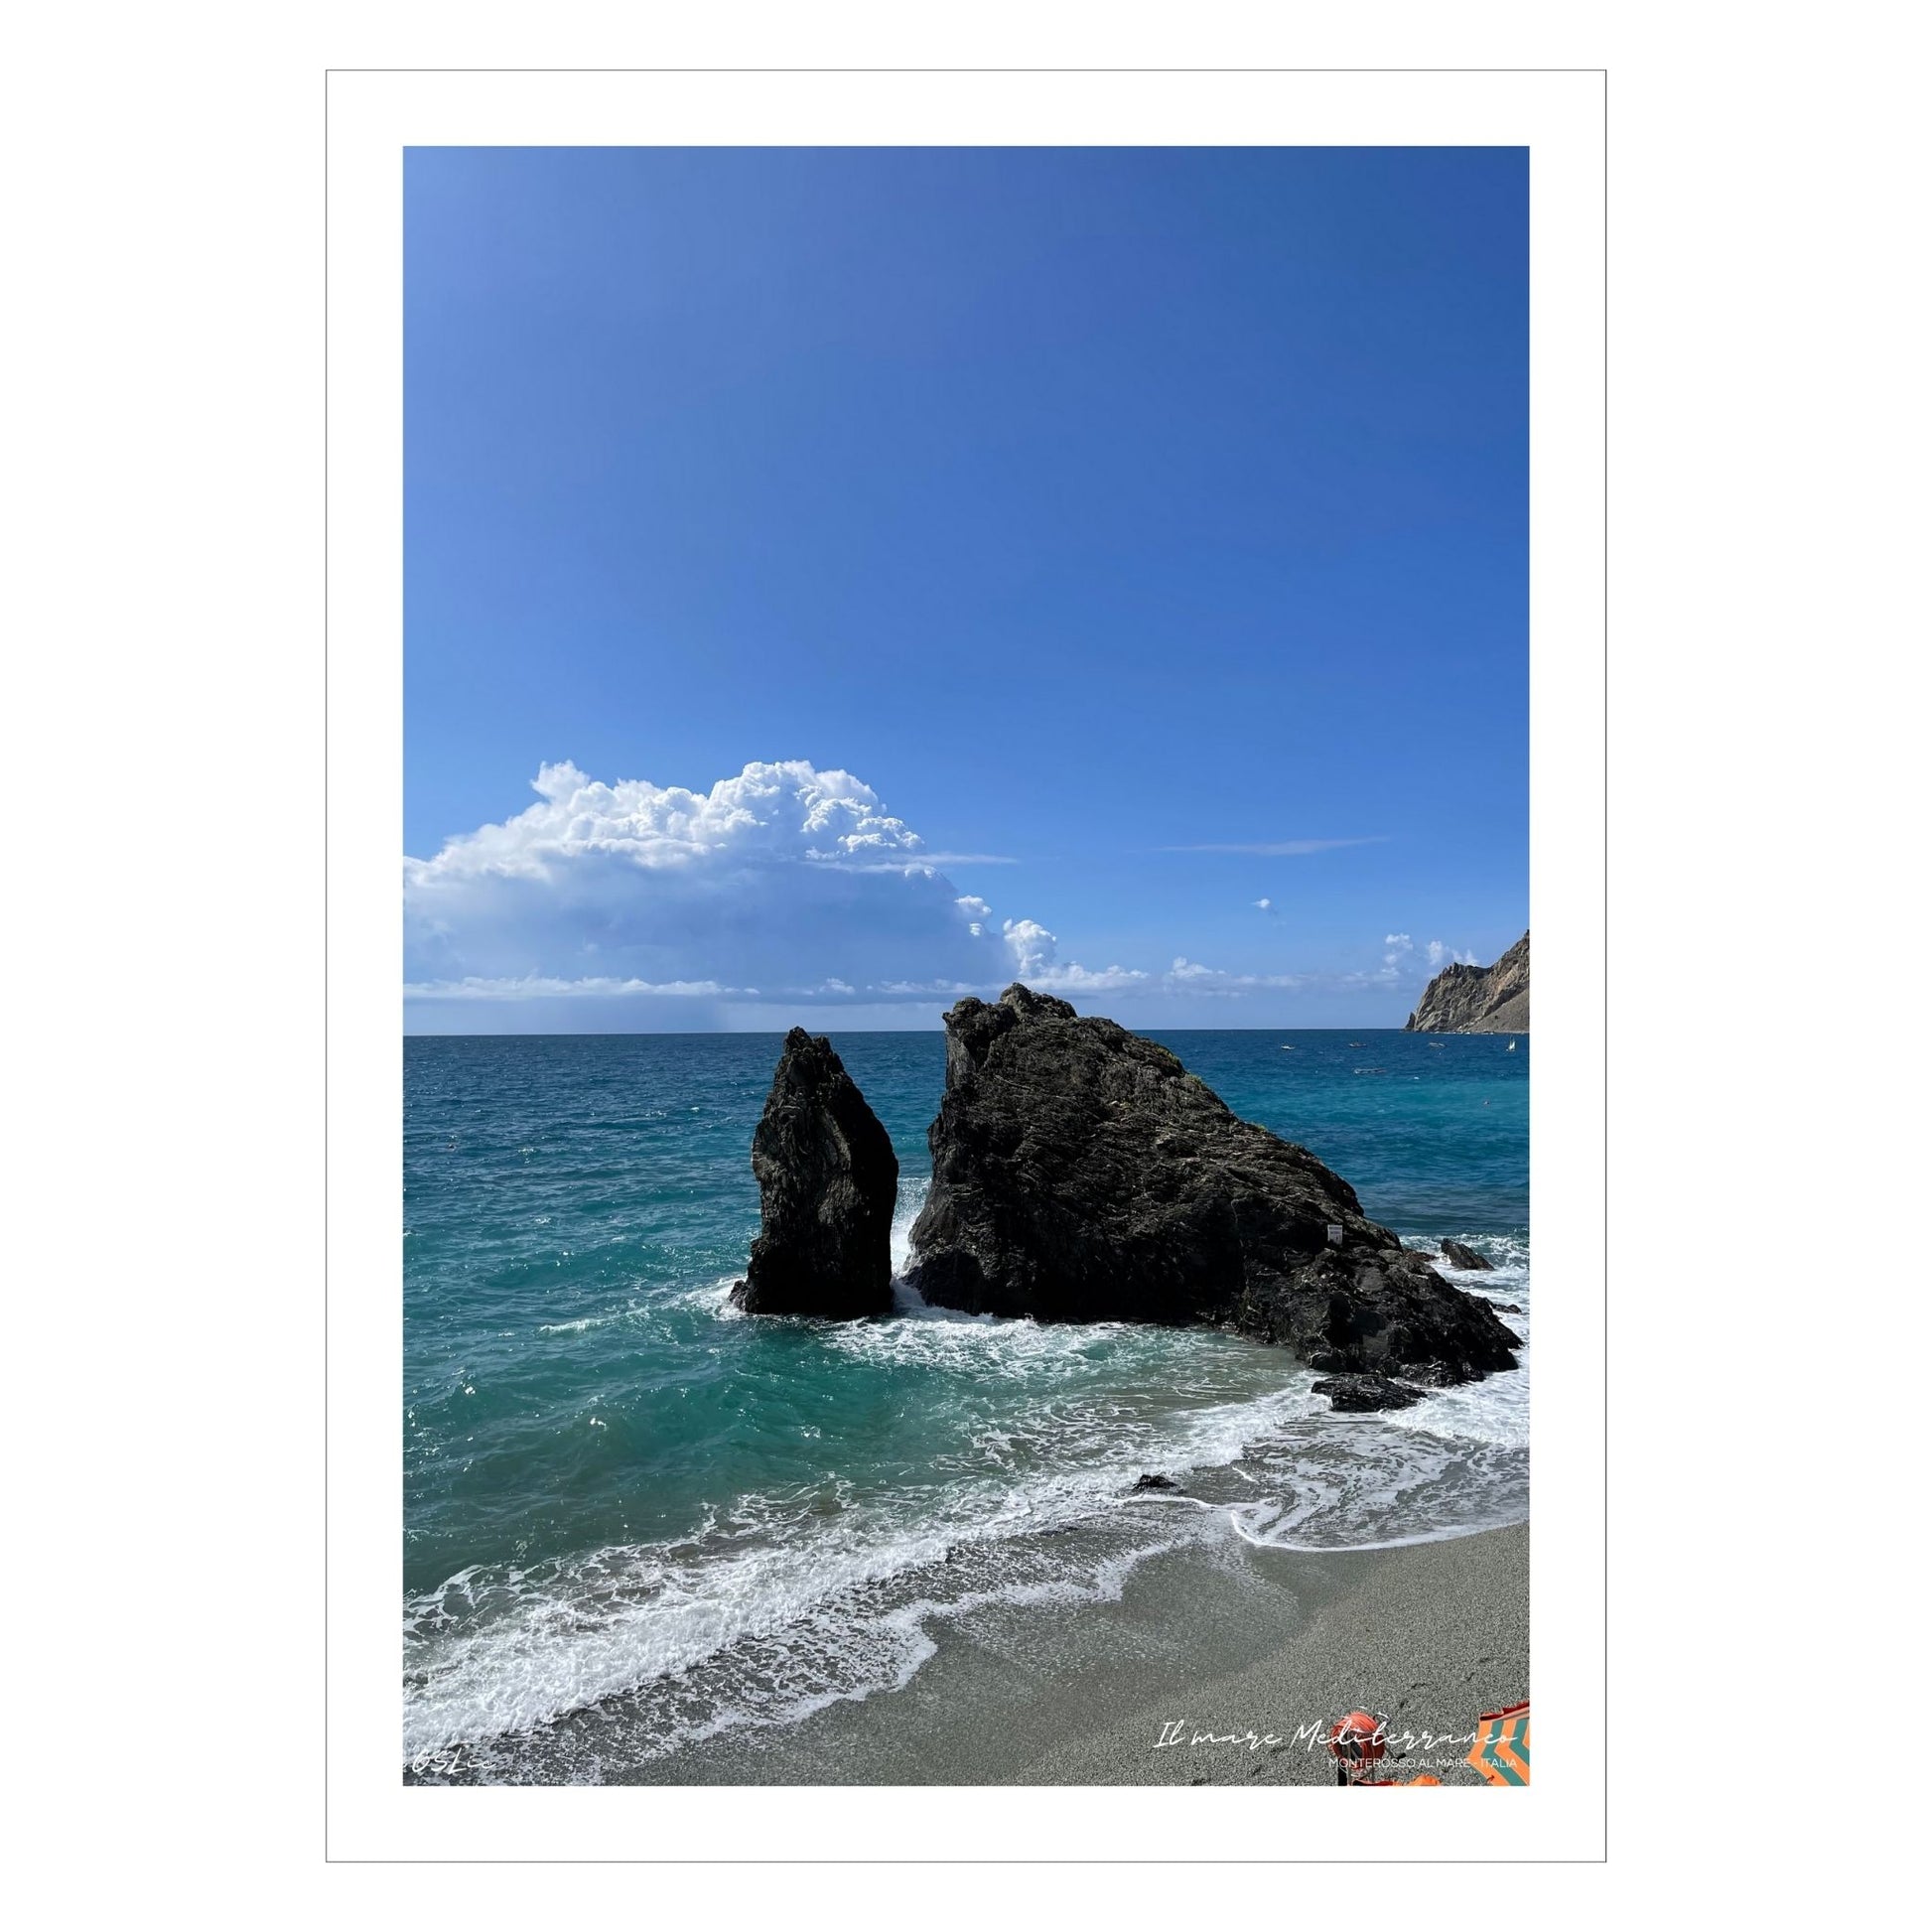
[1512, 1046]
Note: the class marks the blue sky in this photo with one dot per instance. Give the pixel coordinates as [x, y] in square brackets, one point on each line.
[902, 567]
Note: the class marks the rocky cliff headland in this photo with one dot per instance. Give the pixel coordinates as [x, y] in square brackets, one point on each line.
[1477, 998]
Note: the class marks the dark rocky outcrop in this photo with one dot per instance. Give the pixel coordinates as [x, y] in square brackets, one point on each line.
[1459, 1254]
[828, 1180]
[1361, 1393]
[1477, 998]
[1147, 1482]
[1081, 1173]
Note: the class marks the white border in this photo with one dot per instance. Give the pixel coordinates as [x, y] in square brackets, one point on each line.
[372, 116]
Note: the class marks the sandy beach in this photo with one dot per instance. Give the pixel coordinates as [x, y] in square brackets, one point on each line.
[1220, 1667]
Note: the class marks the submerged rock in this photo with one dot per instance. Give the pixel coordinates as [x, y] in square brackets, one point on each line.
[1081, 1173]
[828, 1182]
[1358, 1393]
[1152, 1482]
[1460, 1255]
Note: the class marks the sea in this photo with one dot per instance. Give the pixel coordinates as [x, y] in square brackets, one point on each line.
[636, 1519]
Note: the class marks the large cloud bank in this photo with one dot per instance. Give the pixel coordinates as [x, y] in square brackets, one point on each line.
[617, 907]
[784, 883]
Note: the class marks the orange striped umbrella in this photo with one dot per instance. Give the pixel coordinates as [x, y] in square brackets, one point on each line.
[1501, 1752]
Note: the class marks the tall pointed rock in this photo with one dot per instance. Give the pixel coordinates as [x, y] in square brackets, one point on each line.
[828, 1182]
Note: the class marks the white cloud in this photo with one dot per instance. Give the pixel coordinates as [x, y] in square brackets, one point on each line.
[1398, 949]
[1437, 953]
[1033, 945]
[788, 811]
[1283, 848]
[1190, 976]
[1401, 959]
[781, 886]
[534, 987]
[782, 877]
[1036, 960]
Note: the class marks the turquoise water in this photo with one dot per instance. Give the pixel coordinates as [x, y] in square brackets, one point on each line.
[635, 1517]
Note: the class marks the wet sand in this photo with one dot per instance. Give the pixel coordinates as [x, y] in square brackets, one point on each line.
[1217, 1667]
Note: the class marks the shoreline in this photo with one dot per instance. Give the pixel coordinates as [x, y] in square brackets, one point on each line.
[1222, 1665]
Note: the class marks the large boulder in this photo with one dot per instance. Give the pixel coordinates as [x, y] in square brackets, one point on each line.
[1357, 1395]
[1081, 1173]
[1459, 1254]
[828, 1182]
